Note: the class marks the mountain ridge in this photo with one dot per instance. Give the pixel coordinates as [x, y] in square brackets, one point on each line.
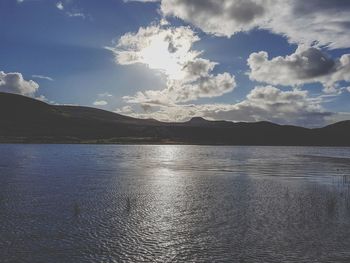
[26, 120]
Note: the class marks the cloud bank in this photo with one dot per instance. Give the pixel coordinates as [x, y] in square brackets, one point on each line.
[263, 103]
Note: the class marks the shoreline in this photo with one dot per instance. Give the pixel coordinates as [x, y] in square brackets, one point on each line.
[136, 141]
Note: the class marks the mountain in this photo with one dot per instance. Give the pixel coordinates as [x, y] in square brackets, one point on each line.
[26, 120]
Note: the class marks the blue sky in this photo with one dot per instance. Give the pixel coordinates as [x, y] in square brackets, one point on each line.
[93, 53]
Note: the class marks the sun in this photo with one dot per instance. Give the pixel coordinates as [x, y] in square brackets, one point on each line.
[157, 55]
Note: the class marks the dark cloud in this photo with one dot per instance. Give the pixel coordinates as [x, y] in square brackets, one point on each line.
[324, 22]
[246, 11]
[313, 63]
[314, 6]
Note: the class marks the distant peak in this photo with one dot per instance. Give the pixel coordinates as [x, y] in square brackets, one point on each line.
[198, 119]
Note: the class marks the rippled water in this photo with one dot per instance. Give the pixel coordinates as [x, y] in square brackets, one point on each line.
[88, 203]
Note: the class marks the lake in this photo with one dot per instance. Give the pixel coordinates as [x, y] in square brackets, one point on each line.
[113, 203]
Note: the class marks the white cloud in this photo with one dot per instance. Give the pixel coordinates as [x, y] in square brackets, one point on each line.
[76, 14]
[309, 22]
[13, 82]
[169, 51]
[179, 91]
[42, 77]
[42, 98]
[100, 103]
[60, 6]
[105, 95]
[304, 66]
[127, 110]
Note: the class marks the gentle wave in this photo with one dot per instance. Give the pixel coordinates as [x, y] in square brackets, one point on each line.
[86, 203]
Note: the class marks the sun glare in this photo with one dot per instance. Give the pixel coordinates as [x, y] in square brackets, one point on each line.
[157, 56]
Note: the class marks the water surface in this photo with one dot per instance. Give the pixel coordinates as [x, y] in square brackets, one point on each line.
[110, 203]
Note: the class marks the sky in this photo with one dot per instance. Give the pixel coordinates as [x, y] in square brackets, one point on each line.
[239, 60]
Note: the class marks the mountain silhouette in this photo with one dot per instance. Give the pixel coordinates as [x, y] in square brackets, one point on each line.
[26, 120]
